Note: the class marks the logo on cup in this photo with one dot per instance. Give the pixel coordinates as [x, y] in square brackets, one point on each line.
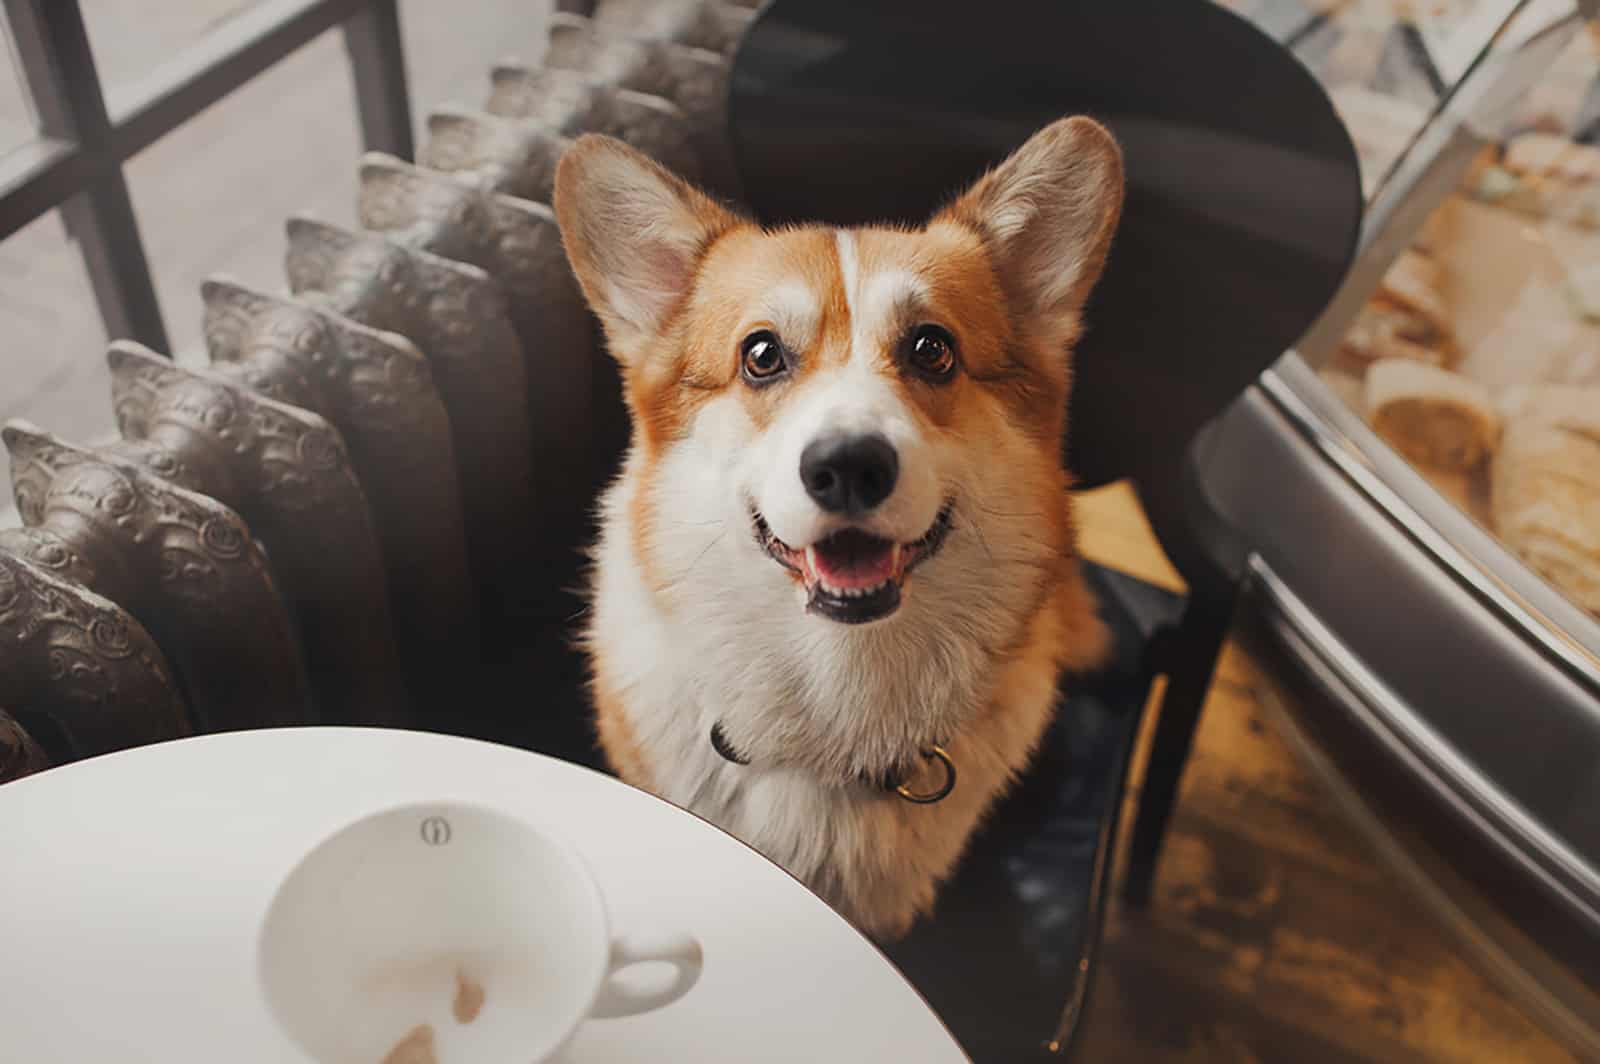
[436, 831]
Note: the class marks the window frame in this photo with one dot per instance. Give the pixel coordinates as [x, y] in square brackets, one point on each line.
[76, 163]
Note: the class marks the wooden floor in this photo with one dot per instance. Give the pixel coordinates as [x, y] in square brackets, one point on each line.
[1275, 934]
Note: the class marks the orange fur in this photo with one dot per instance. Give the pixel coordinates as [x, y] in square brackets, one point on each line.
[617, 740]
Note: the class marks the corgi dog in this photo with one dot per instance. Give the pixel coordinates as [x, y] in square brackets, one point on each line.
[837, 580]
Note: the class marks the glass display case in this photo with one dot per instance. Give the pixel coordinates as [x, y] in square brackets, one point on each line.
[1478, 357]
[1419, 481]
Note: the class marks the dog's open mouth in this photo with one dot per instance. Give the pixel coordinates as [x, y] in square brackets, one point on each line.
[853, 576]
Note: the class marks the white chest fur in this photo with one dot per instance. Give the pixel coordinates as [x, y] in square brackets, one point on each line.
[715, 659]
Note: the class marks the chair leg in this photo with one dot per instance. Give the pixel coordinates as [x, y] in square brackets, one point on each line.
[1192, 659]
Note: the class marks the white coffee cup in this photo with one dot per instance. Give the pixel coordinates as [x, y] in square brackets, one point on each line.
[454, 926]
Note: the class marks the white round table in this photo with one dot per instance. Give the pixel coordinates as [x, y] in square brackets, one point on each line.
[132, 886]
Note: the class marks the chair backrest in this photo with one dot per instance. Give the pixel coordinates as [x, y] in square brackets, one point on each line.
[1244, 193]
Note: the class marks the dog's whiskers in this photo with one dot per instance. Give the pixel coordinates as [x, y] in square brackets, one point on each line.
[698, 558]
[983, 541]
[1022, 515]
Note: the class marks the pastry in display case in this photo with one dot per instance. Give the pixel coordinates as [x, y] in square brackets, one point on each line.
[1478, 358]
[1410, 499]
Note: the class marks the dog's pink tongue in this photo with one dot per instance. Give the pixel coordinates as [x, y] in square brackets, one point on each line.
[849, 560]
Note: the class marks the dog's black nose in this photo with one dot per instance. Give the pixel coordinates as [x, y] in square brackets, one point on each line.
[848, 473]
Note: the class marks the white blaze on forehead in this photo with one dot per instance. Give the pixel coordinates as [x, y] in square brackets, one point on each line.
[875, 300]
[849, 269]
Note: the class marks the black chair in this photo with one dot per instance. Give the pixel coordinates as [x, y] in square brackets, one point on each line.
[1243, 207]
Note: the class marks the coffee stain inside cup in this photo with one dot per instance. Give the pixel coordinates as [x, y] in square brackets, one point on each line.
[415, 1048]
[469, 998]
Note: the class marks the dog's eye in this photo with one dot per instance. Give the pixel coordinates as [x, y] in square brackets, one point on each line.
[931, 352]
[762, 356]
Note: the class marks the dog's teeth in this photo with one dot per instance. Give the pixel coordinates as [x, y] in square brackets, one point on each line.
[851, 592]
[894, 559]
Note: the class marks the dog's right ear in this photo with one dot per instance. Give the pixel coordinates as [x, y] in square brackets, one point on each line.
[634, 233]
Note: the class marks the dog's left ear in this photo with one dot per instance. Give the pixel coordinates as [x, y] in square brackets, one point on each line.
[1047, 214]
[634, 233]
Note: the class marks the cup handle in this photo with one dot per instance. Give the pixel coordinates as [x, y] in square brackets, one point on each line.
[681, 951]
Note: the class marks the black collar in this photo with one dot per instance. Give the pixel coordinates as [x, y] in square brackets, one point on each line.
[893, 783]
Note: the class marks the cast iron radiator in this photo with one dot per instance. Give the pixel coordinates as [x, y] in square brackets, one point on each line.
[382, 478]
